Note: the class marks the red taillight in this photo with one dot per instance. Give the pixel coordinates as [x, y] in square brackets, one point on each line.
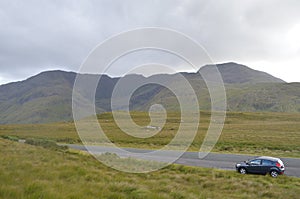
[278, 164]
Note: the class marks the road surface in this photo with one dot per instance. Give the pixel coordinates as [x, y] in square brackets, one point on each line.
[212, 160]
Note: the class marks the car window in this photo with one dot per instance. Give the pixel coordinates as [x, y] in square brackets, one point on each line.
[255, 162]
[267, 162]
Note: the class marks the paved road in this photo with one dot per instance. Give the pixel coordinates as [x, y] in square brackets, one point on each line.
[212, 160]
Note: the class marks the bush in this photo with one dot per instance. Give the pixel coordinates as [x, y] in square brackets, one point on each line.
[12, 138]
[50, 144]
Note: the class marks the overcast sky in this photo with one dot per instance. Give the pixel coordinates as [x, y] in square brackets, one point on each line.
[44, 35]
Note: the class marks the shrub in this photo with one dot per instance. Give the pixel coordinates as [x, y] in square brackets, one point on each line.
[50, 144]
[12, 138]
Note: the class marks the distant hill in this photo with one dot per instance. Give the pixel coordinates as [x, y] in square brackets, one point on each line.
[47, 97]
[233, 73]
[282, 97]
[42, 98]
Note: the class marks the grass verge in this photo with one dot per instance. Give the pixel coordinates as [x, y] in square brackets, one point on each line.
[31, 172]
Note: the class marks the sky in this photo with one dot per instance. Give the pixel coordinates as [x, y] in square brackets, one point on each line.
[40, 35]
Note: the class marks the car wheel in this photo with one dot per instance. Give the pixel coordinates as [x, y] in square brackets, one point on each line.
[274, 174]
[242, 171]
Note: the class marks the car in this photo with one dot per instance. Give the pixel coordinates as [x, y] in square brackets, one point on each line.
[262, 165]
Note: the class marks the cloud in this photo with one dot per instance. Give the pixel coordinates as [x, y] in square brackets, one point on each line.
[41, 35]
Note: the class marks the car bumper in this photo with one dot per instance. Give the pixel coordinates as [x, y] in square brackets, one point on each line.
[281, 172]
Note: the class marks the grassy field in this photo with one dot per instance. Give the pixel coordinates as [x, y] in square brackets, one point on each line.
[34, 172]
[246, 133]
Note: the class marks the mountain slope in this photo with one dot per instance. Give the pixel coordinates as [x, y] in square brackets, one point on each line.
[42, 98]
[233, 73]
[47, 97]
[282, 97]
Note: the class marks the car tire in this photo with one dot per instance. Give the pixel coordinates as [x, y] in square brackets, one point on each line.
[242, 171]
[274, 174]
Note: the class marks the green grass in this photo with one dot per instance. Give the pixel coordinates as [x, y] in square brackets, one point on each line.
[29, 172]
[247, 133]
[60, 132]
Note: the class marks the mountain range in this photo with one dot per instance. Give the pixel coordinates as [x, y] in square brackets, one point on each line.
[47, 97]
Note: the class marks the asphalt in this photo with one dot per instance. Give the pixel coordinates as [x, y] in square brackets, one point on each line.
[212, 160]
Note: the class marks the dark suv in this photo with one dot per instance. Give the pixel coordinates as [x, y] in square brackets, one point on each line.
[262, 165]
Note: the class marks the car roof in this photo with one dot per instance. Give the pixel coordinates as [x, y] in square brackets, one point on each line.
[268, 158]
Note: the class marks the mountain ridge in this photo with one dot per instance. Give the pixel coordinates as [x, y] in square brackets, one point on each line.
[244, 74]
[47, 96]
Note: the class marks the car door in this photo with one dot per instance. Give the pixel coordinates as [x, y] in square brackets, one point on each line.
[266, 165]
[255, 166]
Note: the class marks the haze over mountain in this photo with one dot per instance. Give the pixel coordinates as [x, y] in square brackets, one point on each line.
[47, 97]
